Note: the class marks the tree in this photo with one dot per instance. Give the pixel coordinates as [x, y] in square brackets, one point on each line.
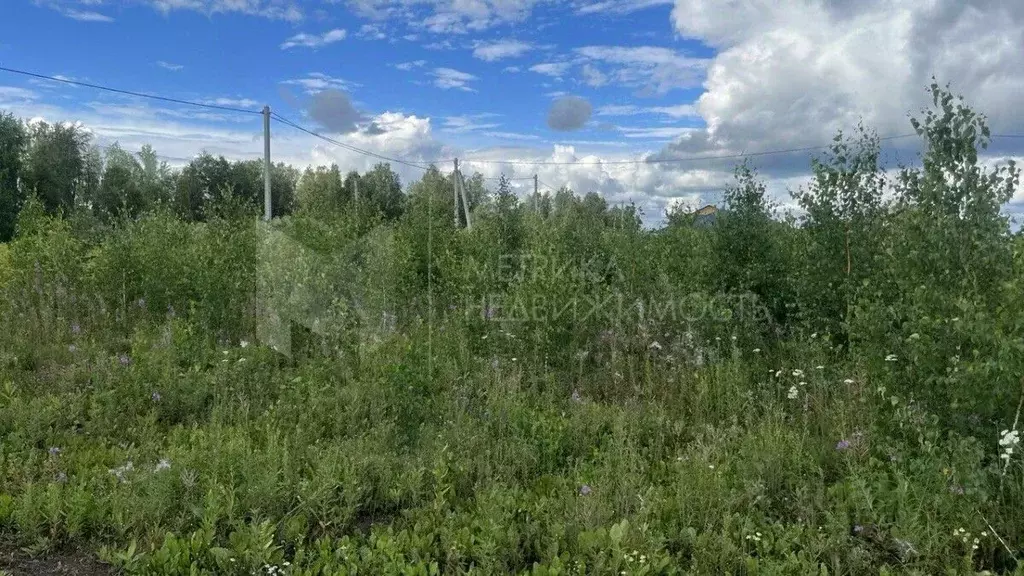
[843, 224]
[201, 181]
[56, 167]
[120, 193]
[320, 191]
[157, 178]
[13, 142]
[383, 192]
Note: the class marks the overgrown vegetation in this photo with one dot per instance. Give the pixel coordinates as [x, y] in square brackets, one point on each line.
[555, 391]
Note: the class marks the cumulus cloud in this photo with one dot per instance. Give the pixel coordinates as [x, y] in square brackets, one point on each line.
[569, 113]
[499, 49]
[305, 40]
[333, 110]
[793, 73]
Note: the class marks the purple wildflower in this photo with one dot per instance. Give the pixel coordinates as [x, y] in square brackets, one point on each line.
[170, 311]
[842, 445]
[155, 396]
[141, 302]
[585, 490]
[857, 528]
[75, 328]
[124, 359]
[54, 451]
[61, 478]
[576, 396]
[958, 490]
[490, 312]
[495, 363]
[72, 348]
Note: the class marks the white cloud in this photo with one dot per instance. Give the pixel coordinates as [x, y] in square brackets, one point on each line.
[792, 74]
[593, 77]
[305, 40]
[511, 69]
[86, 15]
[654, 70]
[371, 32]
[617, 7]
[468, 123]
[553, 69]
[169, 66]
[677, 111]
[447, 78]
[232, 102]
[317, 81]
[499, 49]
[407, 66]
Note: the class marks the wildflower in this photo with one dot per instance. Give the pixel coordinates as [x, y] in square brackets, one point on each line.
[494, 363]
[60, 478]
[891, 358]
[848, 381]
[155, 396]
[802, 383]
[778, 373]
[757, 350]
[141, 302]
[54, 451]
[576, 396]
[819, 367]
[958, 490]
[244, 343]
[72, 348]
[815, 335]
[984, 534]
[857, 528]
[711, 466]
[842, 445]
[124, 359]
[798, 373]
[793, 393]
[585, 490]
[655, 345]
[915, 336]
[122, 471]
[163, 464]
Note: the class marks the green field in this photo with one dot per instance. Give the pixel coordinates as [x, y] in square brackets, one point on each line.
[556, 390]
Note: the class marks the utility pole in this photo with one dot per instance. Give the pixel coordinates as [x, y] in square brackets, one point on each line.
[455, 191]
[267, 204]
[465, 201]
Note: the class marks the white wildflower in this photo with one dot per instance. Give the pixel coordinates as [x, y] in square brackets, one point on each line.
[891, 358]
[798, 373]
[793, 393]
[848, 381]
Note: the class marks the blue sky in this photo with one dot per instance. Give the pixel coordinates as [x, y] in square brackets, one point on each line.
[593, 84]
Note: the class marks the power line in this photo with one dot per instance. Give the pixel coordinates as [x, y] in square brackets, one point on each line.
[128, 92]
[284, 120]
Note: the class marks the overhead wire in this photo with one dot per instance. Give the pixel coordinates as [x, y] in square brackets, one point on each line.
[128, 92]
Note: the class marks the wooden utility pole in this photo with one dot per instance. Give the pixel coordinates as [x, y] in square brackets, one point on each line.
[267, 199]
[455, 192]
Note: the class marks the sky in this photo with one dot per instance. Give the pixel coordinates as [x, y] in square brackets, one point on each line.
[579, 92]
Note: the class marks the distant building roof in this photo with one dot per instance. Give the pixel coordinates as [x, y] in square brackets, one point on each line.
[705, 216]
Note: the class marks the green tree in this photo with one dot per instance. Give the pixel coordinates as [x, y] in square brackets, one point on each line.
[320, 191]
[56, 169]
[120, 193]
[382, 190]
[13, 142]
